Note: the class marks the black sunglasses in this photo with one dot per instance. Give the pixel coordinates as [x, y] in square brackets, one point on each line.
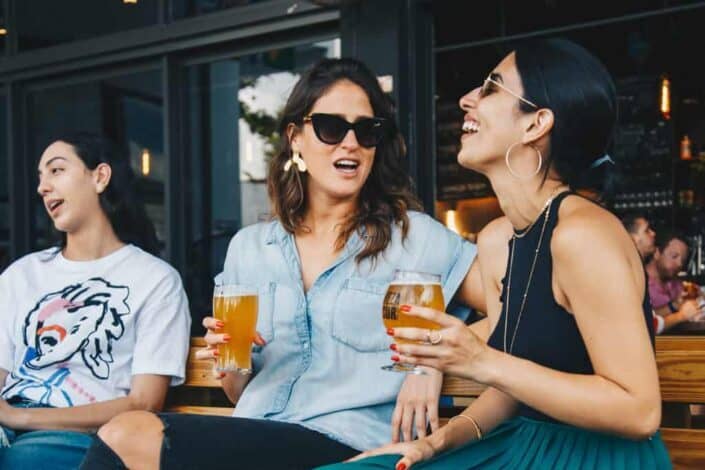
[331, 129]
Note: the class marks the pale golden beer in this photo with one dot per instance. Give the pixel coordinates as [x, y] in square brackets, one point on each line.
[237, 307]
[424, 295]
[411, 288]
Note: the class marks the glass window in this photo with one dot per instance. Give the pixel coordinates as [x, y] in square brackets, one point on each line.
[4, 190]
[186, 8]
[42, 23]
[232, 116]
[3, 29]
[129, 110]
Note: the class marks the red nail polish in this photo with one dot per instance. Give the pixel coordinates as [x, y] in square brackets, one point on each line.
[393, 347]
[222, 374]
[395, 358]
[216, 354]
[219, 324]
[226, 338]
[390, 331]
[405, 308]
[401, 466]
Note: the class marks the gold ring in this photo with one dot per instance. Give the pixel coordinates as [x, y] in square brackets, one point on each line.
[435, 340]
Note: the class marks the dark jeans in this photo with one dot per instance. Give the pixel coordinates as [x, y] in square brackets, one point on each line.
[213, 442]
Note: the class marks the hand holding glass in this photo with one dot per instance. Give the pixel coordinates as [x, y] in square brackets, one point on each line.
[411, 288]
[236, 306]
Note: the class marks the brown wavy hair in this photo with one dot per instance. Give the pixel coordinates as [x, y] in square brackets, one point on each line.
[387, 193]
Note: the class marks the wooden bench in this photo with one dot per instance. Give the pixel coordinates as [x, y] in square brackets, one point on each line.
[681, 366]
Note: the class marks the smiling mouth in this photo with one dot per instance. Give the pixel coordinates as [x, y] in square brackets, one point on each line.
[346, 165]
[470, 127]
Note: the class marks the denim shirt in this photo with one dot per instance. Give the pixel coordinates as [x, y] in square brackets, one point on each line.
[321, 365]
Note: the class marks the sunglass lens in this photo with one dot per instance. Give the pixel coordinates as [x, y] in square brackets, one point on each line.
[329, 129]
[369, 132]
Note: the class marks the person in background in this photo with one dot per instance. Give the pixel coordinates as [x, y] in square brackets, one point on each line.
[345, 220]
[665, 289]
[642, 233]
[644, 237]
[94, 327]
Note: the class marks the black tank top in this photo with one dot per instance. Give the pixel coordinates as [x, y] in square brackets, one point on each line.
[547, 334]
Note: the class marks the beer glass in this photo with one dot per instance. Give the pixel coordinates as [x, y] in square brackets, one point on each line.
[411, 288]
[236, 306]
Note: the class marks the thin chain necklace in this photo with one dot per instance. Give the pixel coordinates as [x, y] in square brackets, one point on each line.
[547, 209]
[522, 233]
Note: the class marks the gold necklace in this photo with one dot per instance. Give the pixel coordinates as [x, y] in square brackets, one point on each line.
[547, 209]
[553, 194]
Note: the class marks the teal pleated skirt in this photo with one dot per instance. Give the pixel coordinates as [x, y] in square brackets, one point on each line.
[523, 443]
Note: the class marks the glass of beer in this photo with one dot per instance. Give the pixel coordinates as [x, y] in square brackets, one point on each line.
[236, 306]
[411, 288]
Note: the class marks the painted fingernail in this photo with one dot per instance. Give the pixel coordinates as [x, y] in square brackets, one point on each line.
[405, 308]
[226, 338]
[393, 347]
[221, 375]
[219, 324]
[390, 331]
[395, 358]
[401, 466]
[216, 354]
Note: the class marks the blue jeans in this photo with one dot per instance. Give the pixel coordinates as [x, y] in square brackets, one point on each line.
[42, 449]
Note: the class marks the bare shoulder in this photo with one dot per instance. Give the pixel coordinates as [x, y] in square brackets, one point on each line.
[495, 235]
[584, 228]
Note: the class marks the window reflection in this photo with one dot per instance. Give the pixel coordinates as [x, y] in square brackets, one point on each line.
[186, 8]
[42, 23]
[4, 190]
[233, 109]
[126, 108]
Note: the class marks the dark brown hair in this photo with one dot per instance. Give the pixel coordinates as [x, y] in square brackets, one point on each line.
[386, 195]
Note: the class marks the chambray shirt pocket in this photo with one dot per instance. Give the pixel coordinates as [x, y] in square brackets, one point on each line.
[265, 313]
[357, 316]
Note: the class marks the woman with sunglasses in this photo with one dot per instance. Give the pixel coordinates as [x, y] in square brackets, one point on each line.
[570, 362]
[345, 219]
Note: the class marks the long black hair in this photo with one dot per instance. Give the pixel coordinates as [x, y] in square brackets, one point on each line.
[567, 79]
[119, 200]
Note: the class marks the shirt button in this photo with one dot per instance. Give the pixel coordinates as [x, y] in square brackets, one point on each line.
[305, 344]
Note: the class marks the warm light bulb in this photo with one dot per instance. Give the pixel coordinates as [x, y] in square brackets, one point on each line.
[129, 1]
[451, 221]
[665, 98]
[3, 31]
[146, 162]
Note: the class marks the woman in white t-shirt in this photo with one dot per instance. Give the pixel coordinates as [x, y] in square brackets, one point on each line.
[94, 327]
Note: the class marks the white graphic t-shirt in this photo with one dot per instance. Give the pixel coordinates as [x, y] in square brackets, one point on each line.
[75, 332]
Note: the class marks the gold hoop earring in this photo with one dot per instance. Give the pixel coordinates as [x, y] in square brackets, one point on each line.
[515, 174]
[295, 160]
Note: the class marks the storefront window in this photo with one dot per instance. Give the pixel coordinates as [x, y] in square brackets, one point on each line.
[233, 108]
[42, 23]
[126, 108]
[4, 192]
[187, 8]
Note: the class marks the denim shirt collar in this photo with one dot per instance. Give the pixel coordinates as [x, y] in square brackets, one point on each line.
[277, 234]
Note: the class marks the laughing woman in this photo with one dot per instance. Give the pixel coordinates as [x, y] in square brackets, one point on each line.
[570, 362]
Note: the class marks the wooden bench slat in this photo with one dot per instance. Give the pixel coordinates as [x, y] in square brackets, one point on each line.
[681, 368]
[686, 447]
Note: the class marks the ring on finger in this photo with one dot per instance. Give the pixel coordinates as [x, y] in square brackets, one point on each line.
[436, 339]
